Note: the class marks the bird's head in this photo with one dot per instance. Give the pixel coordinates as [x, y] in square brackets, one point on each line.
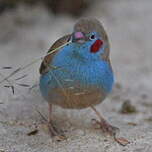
[90, 39]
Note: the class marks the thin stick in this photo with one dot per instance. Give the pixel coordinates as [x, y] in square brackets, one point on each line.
[42, 116]
[31, 63]
[59, 83]
[25, 75]
[11, 85]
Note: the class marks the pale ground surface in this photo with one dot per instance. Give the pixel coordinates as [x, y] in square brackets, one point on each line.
[22, 39]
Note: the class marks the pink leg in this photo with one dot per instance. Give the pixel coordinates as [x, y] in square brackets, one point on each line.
[52, 129]
[104, 125]
[107, 128]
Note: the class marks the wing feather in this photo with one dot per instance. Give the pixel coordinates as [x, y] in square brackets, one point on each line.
[46, 61]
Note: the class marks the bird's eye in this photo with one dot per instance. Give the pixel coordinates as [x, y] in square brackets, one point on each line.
[92, 37]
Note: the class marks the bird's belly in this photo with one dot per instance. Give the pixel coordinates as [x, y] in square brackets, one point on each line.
[76, 98]
[76, 86]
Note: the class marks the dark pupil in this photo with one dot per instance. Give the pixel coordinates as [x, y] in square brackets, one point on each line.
[92, 36]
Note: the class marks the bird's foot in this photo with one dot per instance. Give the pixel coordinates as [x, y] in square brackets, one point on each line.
[111, 130]
[55, 133]
[106, 127]
[121, 140]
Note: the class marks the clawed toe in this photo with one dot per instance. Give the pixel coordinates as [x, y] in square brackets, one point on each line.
[106, 127]
[59, 138]
[111, 130]
[122, 141]
[55, 133]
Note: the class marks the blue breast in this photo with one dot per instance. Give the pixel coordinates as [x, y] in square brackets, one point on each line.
[71, 70]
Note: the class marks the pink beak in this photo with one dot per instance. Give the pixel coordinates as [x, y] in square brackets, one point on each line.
[78, 37]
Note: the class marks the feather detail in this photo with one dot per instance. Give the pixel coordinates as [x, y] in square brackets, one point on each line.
[44, 65]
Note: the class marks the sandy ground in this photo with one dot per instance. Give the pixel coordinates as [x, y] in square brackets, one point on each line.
[26, 37]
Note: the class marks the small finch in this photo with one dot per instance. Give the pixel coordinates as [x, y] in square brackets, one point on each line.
[79, 75]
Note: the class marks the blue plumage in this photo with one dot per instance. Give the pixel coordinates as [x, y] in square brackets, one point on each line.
[75, 64]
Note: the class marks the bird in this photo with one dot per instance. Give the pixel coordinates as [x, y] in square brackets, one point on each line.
[79, 75]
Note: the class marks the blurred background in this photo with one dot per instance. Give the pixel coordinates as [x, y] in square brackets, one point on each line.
[29, 27]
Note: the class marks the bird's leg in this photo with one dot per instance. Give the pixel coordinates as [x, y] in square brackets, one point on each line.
[108, 128]
[52, 130]
[104, 125]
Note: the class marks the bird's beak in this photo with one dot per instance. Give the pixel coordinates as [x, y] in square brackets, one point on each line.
[78, 37]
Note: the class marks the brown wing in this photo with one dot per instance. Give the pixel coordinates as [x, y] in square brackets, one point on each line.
[44, 65]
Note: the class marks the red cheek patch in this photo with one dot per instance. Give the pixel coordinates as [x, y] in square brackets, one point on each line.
[96, 46]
